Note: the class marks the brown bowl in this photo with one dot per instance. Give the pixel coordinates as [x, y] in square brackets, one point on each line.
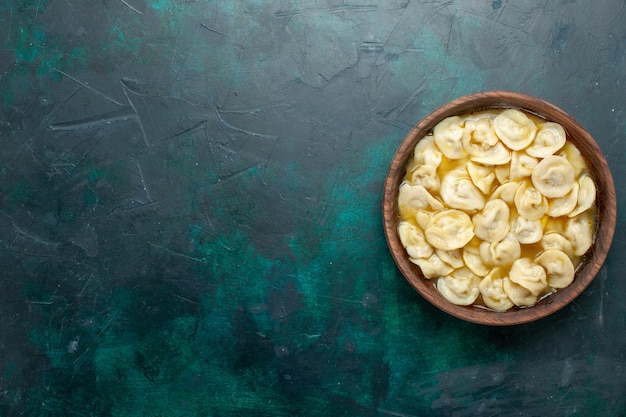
[605, 202]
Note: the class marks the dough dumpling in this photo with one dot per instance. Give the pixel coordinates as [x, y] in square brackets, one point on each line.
[529, 275]
[573, 155]
[550, 139]
[506, 192]
[586, 195]
[503, 173]
[492, 290]
[412, 198]
[454, 258]
[449, 229]
[556, 241]
[501, 253]
[492, 223]
[478, 136]
[522, 165]
[497, 154]
[448, 135]
[458, 191]
[520, 296]
[563, 206]
[527, 231]
[515, 129]
[422, 218]
[579, 231]
[558, 266]
[460, 287]
[413, 240]
[426, 153]
[482, 176]
[473, 260]
[529, 202]
[426, 176]
[554, 176]
[433, 266]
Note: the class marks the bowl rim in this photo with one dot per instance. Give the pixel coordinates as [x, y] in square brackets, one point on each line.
[605, 221]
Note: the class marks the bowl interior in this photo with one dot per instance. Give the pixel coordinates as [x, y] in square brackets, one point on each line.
[605, 201]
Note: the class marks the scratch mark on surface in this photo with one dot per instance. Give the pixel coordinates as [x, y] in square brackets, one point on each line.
[37, 10]
[87, 86]
[141, 127]
[121, 115]
[44, 123]
[603, 275]
[212, 30]
[394, 413]
[372, 46]
[182, 255]
[131, 7]
[345, 300]
[238, 173]
[391, 116]
[143, 181]
[237, 129]
[355, 8]
[192, 129]
[96, 143]
[185, 299]
[10, 24]
[78, 362]
[32, 152]
[33, 237]
[250, 111]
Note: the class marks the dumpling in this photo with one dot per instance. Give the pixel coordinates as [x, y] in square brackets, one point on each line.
[412, 198]
[478, 136]
[460, 287]
[554, 176]
[558, 266]
[482, 176]
[529, 202]
[579, 231]
[529, 275]
[515, 129]
[426, 176]
[492, 290]
[433, 266]
[522, 165]
[492, 223]
[586, 195]
[422, 218]
[473, 260]
[573, 155]
[449, 229]
[527, 231]
[426, 153]
[506, 192]
[556, 241]
[448, 135]
[454, 258]
[503, 252]
[503, 173]
[520, 296]
[497, 154]
[550, 139]
[562, 206]
[459, 192]
[413, 240]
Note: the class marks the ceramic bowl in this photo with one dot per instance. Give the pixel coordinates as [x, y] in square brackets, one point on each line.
[605, 211]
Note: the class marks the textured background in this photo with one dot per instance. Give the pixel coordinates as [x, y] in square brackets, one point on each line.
[190, 207]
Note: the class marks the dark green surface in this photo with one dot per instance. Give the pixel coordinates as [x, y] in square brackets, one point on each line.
[191, 192]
